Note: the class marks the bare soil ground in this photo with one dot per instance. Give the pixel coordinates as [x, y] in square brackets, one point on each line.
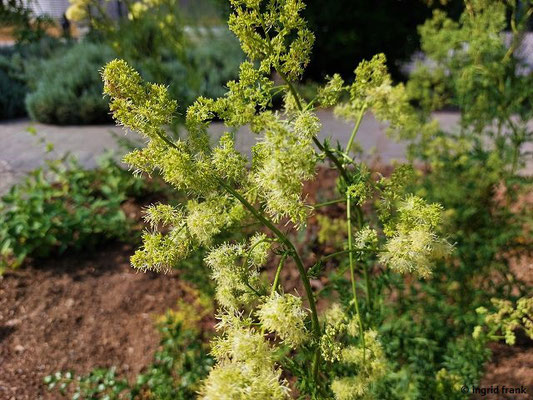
[78, 313]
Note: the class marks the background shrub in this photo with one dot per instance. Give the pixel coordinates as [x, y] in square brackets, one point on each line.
[216, 56]
[13, 90]
[14, 62]
[67, 89]
[64, 207]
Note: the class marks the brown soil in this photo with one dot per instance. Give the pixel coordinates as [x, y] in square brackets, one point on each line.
[512, 367]
[78, 313]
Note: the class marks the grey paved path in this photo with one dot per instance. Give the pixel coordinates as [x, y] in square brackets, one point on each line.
[21, 152]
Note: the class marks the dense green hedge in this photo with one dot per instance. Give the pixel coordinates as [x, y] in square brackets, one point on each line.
[13, 90]
[62, 84]
[67, 89]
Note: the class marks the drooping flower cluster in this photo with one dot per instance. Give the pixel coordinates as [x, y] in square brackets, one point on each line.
[284, 315]
[235, 269]
[413, 245]
[190, 227]
[371, 366]
[246, 368]
[283, 160]
[336, 325]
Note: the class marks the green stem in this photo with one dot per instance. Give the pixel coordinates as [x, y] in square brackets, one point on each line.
[252, 289]
[292, 89]
[352, 267]
[165, 139]
[328, 203]
[299, 264]
[356, 128]
[278, 273]
[288, 244]
[339, 253]
[321, 147]
[367, 286]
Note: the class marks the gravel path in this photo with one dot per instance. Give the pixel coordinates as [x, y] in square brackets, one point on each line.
[21, 151]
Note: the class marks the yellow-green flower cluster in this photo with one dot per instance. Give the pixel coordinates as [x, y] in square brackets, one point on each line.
[282, 161]
[235, 270]
[259, 250]
[245, 368]
[371, 366]
[189, 227]
[161, 252]
[336, 324]
[144, 108]
[228, 162]
[373, 89]
[366, 238]
[284, 315]
[273, 32]
[392, 188]
[148, 109]
[447, 381]
[207, 218]
[239, 106]
[330, 94]
[507, 319]
[162, 214]
[361, 189]
[413, 245]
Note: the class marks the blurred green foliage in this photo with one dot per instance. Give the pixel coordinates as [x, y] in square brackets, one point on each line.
[476, 171]
[13, 64]
[67, 89]
[26, 26]
[13, 90]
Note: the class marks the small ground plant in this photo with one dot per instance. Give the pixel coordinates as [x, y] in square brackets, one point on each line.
[273, 344]
[64, 206]
[179, 365]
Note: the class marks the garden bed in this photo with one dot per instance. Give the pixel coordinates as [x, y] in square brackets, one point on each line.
[79, 312]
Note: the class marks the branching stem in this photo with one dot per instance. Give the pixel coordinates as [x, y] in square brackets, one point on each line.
[356, 128]
[278, 273]
[352, 268]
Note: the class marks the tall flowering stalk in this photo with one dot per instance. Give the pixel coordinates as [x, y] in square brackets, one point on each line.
[264, 331]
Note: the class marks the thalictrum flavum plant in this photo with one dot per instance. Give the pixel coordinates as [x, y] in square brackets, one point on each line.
[268, 337]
